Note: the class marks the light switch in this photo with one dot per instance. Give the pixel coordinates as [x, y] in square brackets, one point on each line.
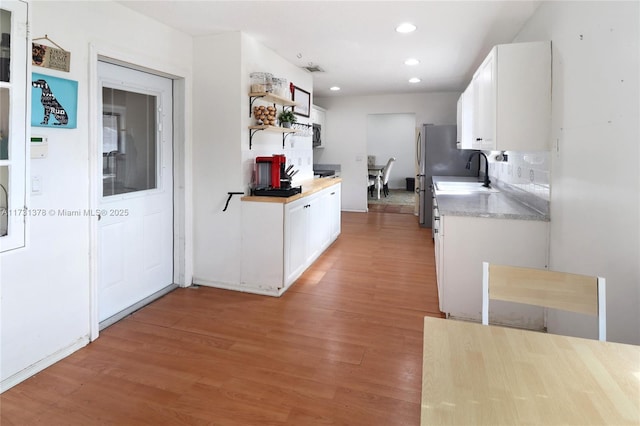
[36, 185]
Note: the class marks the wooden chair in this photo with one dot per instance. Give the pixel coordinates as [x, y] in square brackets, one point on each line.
[556, 290]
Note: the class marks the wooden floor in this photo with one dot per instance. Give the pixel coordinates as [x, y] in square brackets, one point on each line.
[342, 347]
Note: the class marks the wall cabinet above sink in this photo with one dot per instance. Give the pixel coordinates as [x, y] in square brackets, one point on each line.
[510, 99]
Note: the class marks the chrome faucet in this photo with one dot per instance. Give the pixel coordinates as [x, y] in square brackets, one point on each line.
[486, 170]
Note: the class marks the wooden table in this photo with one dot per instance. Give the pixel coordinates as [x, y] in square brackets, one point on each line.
[475, 374]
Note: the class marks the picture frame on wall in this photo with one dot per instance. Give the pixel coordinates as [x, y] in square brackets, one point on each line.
[303, 99]
[54, 102]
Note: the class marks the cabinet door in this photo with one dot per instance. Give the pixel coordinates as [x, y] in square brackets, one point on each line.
[296, 239]
[459, 121]
[484, 104]
[466, 141]
[439, 250]
[334, 212]
[318, 226]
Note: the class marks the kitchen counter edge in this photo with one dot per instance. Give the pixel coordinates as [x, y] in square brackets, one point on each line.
[308, 188]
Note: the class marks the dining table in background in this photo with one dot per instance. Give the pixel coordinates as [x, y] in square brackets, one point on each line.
[376, 170]
[476, 374]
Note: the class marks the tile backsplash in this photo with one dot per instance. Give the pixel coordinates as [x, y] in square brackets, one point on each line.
[526, 173]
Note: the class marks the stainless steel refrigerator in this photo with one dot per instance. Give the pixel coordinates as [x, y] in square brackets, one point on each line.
[437, 155]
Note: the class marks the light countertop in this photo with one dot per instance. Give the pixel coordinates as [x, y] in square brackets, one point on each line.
[308, 187]
[500, 205]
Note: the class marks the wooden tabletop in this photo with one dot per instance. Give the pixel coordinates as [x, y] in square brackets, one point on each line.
[475, 374]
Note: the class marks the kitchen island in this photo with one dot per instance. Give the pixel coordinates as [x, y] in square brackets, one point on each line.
[283, 236]
[475, 224]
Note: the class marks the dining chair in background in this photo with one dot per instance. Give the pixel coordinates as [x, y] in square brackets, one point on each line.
[557, 290]
[386, 172]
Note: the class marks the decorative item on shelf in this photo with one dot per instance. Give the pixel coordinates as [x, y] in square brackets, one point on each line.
[265, 115]
[261, 82]
[287, 118]
[280, 88]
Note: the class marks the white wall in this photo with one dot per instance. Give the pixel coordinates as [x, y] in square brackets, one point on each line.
[346, 132]
[46, 287]
[393, 135]
[595, 183]
[222, 161]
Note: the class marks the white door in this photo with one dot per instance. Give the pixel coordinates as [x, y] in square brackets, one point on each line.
[135, 226]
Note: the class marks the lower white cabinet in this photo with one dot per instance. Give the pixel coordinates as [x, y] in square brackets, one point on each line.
[281, 240]
[464, 242]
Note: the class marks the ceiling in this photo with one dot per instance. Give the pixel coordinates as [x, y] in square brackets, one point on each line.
[355, 42]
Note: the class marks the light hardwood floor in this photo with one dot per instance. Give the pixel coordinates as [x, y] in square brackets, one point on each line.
[343, 346]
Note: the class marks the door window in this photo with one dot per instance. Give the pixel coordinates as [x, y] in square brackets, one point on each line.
[129, 146]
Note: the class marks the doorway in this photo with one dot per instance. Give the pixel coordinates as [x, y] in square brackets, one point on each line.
[391, 135]
[135, 185]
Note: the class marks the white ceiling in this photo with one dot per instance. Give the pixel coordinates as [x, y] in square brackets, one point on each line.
[355, 42]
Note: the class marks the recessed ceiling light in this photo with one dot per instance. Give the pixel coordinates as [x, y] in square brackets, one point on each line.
[405, 28]
[414, 80]
[411, 61]
[334, 88]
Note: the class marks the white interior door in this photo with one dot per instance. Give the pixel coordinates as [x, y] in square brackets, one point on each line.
[135, 226]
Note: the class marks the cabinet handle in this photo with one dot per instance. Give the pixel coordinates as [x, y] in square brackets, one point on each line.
[333, 193]
[478, 139]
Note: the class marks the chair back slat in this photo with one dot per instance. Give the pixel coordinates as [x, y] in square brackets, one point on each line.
[557, 290]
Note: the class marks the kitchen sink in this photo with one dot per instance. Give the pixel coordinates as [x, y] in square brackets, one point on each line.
[462, 187]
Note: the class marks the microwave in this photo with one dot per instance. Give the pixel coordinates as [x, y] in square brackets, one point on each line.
[317, 132]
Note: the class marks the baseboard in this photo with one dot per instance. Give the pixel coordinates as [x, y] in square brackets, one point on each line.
[33, 369]
[235, 287]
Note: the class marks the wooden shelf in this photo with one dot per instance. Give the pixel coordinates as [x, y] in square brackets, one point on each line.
[274, 129]
[270, 97]
[284, 130]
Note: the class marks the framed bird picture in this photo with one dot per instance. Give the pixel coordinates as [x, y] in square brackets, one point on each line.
[54, 102]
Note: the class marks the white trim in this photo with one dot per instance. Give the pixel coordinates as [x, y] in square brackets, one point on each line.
[602, 309]
[182, 156]
[23, 375]
[485, 293]
[276, 292]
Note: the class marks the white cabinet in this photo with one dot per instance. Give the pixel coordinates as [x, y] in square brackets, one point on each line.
[464, 242]
[334, 206]
[484, 104]
[512, 98]
[306, 233]
[281, 240]
[465, 119]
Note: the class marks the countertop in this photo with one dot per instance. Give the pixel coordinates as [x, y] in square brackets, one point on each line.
[308, 187]
[500, 205]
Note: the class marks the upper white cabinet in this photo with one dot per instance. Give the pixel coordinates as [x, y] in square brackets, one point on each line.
[512, 98]
[465, 119]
